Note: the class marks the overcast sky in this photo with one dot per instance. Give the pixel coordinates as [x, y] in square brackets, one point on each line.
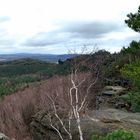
[55, 26]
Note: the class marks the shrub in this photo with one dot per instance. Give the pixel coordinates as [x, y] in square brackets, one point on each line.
[118, 134]
[135, 101]
[132, 71]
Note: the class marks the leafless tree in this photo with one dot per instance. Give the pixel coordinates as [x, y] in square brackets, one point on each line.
[76, 102]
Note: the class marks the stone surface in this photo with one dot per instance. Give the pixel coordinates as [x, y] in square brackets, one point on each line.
[122, 119]
[108, 93]
[113, 90]
[94, 122]
[110, 98]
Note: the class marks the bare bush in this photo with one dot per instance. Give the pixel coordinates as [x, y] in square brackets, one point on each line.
[12, 121]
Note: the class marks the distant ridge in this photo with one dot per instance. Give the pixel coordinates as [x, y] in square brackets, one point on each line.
[43, 57]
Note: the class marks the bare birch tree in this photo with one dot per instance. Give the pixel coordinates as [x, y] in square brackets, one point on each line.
[76, 102]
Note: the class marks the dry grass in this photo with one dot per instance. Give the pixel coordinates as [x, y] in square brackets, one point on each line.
[17, 109]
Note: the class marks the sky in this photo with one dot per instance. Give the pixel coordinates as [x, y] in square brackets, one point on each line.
[56, 26]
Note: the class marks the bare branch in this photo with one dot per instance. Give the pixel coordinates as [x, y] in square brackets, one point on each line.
[92, 84]
[60, 120]
[55, 129]
[70, 118]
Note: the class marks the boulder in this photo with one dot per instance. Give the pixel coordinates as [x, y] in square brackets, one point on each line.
[113, 90]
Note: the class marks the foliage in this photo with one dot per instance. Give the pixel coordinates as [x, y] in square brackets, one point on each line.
[24, 66]
[18, 74]
[112, 65]
[132, 71]
[135, 100]
[125, 97]
[12, 84]
[115, 62]
[132, 51]
[118, 134]
[133, 21]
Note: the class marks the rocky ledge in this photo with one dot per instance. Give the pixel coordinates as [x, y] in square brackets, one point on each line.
[94, 122]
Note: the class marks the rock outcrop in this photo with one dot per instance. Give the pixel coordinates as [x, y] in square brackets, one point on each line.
[110, 97]
[94, 122]
[113, 90]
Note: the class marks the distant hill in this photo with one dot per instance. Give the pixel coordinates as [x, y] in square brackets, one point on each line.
[43, 57]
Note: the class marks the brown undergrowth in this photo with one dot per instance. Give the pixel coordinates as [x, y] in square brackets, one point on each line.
[16, 110]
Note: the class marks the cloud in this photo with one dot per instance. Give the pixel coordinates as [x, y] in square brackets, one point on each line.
[7, 42]
[47, 39]
[72, 31]
[4, 18]
[94, 29]
[6, 39]
[107, 35]
[41, 28]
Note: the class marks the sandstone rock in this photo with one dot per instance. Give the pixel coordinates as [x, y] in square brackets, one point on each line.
[113, 90]
[108, 93]
[94, 122]
[41, 129]
[110, 98]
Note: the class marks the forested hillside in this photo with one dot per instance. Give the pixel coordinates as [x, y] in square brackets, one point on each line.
[90, 96]
[18, 74]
